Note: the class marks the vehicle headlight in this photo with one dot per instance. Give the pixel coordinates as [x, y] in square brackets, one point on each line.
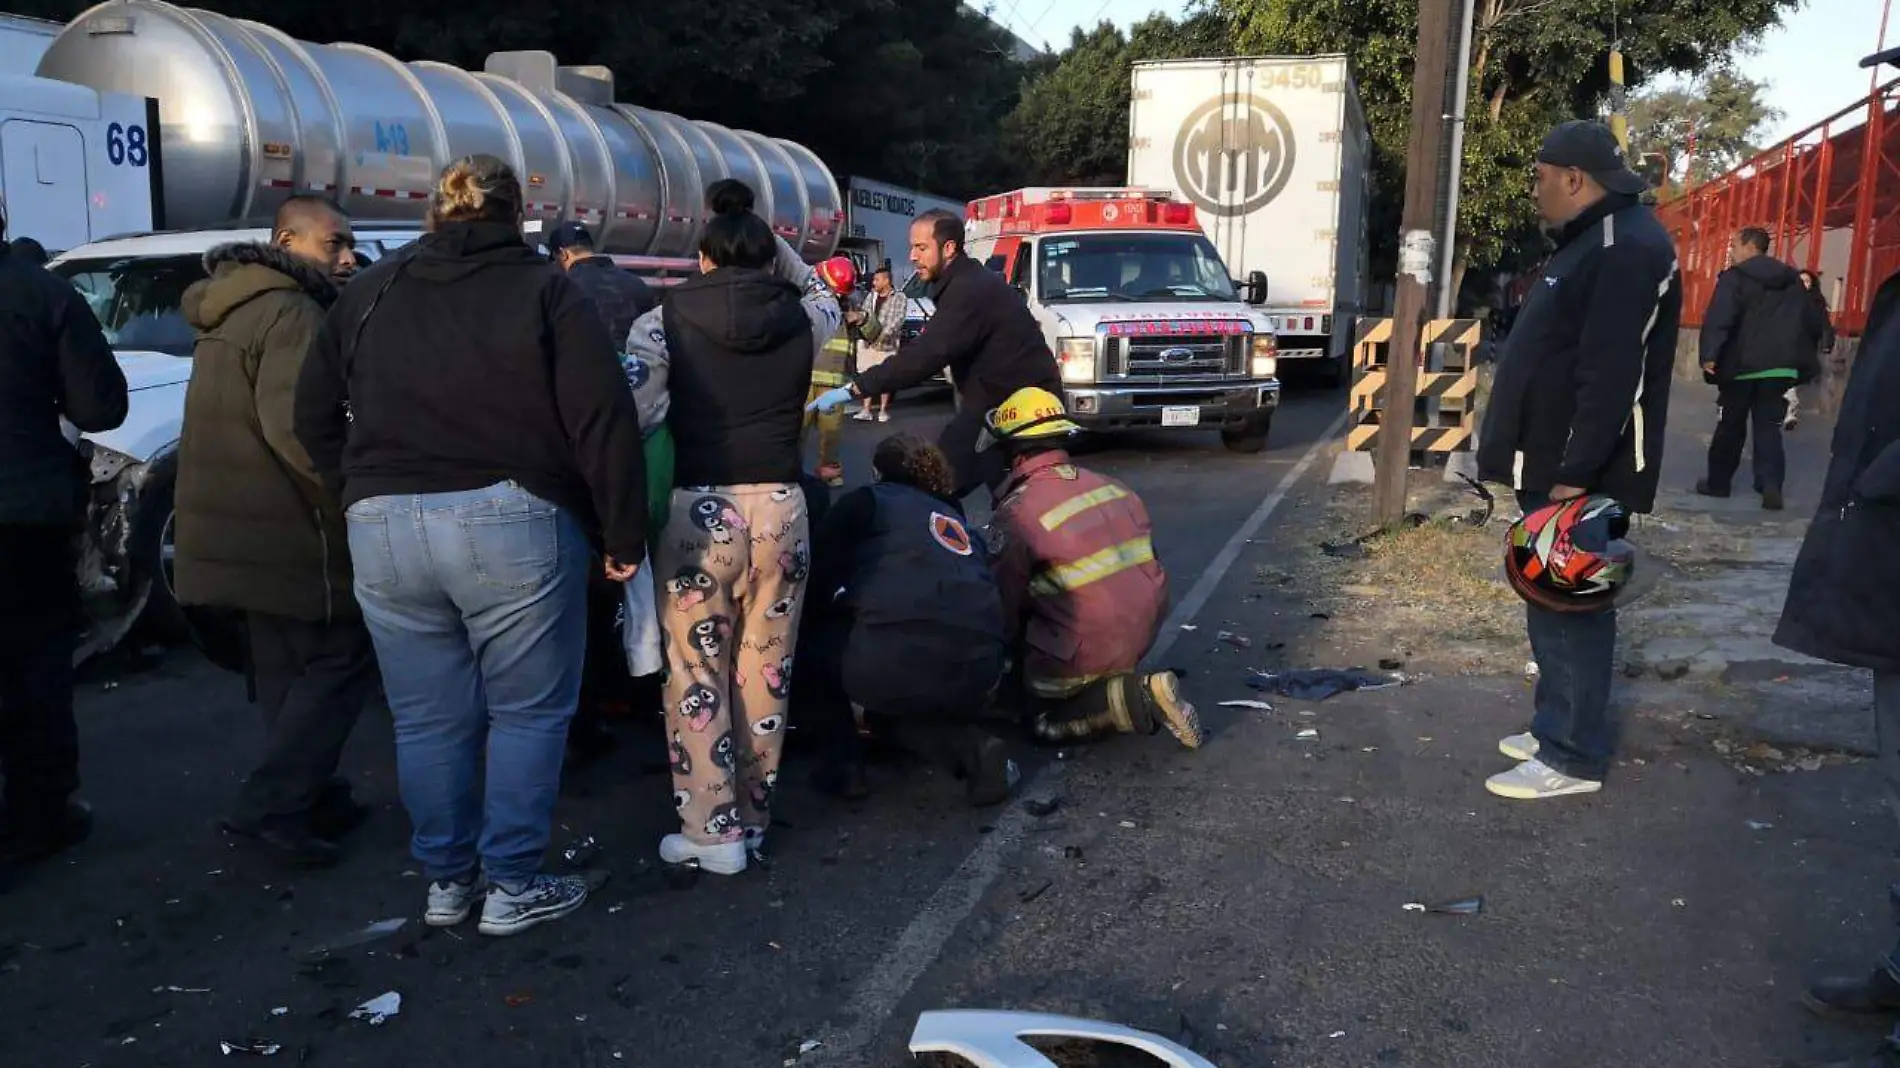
[1077, 359]
[1266, 355]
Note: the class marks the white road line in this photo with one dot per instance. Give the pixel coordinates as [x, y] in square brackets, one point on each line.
[920, 945]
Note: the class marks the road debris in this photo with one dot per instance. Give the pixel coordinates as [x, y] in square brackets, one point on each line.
[1128, 825]
[582, 852]
[281, 1010]
[1189, 627]
[181, 990]
[1042, 808]
[1758, 825]
[378, 1009]
[253, 1048]
[1257, 705]
[1308, 734]
[1237, 640]
[1318, 684]
[377, 931]
[1030, 895]
[1463, 906]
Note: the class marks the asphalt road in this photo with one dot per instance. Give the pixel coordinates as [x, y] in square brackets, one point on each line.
[1246, 899]
[659, 969]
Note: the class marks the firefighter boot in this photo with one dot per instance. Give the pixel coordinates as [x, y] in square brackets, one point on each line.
[1161, 697]
[1875, 993]
[1098, 711]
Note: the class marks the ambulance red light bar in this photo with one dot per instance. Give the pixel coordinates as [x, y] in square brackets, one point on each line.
[1058, 214]
[1177, 214]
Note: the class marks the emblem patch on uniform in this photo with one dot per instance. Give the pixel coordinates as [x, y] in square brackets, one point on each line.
[950, 533]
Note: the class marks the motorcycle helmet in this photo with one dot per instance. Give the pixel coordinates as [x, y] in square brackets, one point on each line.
[1571, 555]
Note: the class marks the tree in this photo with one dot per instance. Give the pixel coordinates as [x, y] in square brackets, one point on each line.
[1534, 64]
[1071, 127]
[911, 91]
[1704, 128]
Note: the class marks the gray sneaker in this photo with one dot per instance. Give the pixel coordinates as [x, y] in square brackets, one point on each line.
[1519, 747]
[540, 899]
[451, 900]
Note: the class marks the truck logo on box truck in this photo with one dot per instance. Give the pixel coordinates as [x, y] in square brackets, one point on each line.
[1233, 155]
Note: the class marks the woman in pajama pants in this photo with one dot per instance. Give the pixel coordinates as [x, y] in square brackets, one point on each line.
[740, 340]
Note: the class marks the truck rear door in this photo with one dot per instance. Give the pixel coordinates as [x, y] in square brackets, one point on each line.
[43, 178]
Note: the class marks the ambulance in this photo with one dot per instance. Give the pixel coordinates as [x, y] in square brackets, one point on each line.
[1148, 328]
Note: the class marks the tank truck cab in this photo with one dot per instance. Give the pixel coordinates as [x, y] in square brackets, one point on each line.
[135, 285]
[1147, 326]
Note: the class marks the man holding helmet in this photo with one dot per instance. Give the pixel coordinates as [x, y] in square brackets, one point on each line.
[1577, 411]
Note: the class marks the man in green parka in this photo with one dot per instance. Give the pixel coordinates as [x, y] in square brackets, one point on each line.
[258, 533]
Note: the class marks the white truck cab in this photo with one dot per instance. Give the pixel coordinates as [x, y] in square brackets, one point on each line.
[134, 286]
[1146, 324]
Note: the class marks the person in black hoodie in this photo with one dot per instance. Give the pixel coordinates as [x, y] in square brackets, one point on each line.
[907, 625]
[736, 554]
[1811, 281]
[468, 400]
[54, 364]
[1761, 337]
[1577, 408]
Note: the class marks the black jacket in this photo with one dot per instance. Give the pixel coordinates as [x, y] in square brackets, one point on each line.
[257, 529]
[741, 348]
[54, 361]
[482, 363]
[619, 296]
[1842, 604]
[912, 582]
[1582, 388]
[1760, 318]
[983, 332]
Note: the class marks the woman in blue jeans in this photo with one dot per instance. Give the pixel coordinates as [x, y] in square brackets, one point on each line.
[471, 407]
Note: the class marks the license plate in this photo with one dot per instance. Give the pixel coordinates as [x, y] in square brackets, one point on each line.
[1180, 417]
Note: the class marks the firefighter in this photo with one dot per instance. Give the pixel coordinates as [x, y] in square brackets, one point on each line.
[831, 370]
[1082, 591]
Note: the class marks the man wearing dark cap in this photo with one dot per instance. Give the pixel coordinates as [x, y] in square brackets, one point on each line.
[620, 296]
[1577, 408]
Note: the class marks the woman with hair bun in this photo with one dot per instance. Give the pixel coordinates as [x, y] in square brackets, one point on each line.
[906, 625]
[469, 405]
[737, 342]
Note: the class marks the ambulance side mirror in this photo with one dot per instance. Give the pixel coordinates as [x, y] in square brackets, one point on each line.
[1254, 290]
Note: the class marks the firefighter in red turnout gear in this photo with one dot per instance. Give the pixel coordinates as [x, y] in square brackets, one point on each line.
[1082, 591]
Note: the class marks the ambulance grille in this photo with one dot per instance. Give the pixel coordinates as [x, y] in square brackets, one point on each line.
[1175, 357]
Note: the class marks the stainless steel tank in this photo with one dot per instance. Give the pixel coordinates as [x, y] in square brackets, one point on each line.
[250, 116]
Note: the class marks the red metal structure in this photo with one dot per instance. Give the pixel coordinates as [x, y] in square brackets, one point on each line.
[1829, 197]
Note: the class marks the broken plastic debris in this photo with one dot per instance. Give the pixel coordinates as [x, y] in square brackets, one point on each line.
[1758, 825]
[809, 1045]
[1317, 684]
[1308, 734]
[378, 1009]
[581, 853]
[281, 1010]
[1189, 626]
[255, 1049]
[181, 990]
[378, 930]
[611, 909]
[1337, 1034]
[1261, 705]
[1239, 641]
[1463, 906]
[1128, 825]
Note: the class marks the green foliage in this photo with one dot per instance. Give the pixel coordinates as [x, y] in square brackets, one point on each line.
[910, 91]
[1724, 110]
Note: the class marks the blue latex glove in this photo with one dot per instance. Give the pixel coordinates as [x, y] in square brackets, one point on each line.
[831, 400]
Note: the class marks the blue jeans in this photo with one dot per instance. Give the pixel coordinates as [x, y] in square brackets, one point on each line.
[477, 602]
[1576, 660]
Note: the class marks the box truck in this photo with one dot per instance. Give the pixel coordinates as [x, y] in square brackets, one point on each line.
[1274, 151]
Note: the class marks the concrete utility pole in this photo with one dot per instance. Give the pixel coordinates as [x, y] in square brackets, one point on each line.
[1416, 256]
[1448, 248]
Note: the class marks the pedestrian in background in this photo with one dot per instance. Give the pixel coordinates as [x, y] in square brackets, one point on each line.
[29, 251]
[54, 363]
[1577, 407]
[473, 408]
[982, 331]
[879, 327]
[739, 342]
[1761, 337]
[619, 296]
[1811, 280]
[258, 531]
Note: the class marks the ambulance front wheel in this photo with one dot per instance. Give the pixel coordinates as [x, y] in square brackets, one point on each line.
[1249, 437]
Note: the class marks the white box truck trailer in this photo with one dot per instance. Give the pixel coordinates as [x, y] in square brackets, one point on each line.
[1274, 151]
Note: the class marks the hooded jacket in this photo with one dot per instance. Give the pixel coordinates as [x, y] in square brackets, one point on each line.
[1582, 387]
[1761, 318]
[619, 296]
[54, 362]
[257, 529]
[466, 360]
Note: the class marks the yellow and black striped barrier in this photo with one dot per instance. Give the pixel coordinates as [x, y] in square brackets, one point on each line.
[1445, 417]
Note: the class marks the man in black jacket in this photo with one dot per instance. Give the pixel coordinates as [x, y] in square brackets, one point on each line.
[982, 331]
[1760, 337]
[54, 364]
[1577, 408]
[620, 296]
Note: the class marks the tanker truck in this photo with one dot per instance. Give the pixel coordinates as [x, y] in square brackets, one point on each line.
[245, 116]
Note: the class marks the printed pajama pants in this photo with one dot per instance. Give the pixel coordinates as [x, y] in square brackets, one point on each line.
[732, 568]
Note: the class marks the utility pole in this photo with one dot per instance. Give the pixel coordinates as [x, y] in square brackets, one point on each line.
[1416, 256]
[1448, 247]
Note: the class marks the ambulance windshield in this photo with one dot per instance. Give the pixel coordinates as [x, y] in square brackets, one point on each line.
[1143, 268]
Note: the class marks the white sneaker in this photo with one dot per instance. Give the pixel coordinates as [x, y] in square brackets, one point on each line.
[883, 417]
[540, 899]
[1534, 780]
[1519, 746]
[451, 901]
[862, 417]
[755, 842]
[726, 858]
